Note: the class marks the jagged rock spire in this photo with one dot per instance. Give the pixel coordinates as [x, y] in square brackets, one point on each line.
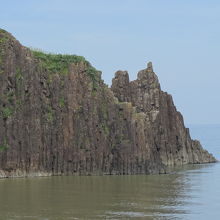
[121, 86]
[148, 77]
[150, 67]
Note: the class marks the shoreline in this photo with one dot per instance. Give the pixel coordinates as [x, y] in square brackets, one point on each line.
[169, 170]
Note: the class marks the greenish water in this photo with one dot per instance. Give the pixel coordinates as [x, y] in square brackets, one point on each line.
[189, 193]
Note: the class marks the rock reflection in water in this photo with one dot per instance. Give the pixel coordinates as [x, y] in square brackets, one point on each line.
[97, 197]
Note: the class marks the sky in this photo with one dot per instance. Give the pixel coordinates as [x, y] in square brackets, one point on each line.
[181, 38]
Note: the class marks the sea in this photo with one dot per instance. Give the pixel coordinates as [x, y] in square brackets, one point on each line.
[191, 192]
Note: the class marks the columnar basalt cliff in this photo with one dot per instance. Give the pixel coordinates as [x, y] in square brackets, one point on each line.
[57, 117]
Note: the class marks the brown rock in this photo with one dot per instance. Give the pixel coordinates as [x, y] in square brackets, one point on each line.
[57, 117]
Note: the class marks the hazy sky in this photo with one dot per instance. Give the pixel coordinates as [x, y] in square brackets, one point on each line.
[181, 38]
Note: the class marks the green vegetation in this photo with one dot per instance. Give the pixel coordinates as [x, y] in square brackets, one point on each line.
[7, 112]
[59, 63]
[18, 74]
[4, 146]
[18, 104]
[3, 40]
[10, 96]
[105, 129]
[4, 36]
[50, 78]
[50, 114]
[139, 115]
[92, 72]
[1, 61]
[62, 102]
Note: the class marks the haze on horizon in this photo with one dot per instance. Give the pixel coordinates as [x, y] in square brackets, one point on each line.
[180, 38]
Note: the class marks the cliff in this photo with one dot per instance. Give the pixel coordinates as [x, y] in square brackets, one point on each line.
[57, 117]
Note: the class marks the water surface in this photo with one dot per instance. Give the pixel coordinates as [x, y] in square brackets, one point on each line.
[189, 193]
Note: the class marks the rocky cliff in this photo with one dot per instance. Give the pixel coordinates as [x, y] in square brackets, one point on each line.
[57, 117]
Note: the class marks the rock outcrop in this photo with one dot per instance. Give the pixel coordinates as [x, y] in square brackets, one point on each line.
[57, 117]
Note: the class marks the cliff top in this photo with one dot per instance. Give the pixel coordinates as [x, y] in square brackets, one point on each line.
[53, 63]
[59, 63]
[5, 36]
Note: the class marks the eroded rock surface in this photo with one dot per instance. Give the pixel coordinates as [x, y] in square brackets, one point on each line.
[170, 137]
[57, 117]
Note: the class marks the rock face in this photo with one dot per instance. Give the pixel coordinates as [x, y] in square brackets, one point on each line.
[57, 117]
[166, 128]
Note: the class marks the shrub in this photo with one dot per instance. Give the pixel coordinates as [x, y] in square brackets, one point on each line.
[62, 102]
[7, 112]
[18, 74]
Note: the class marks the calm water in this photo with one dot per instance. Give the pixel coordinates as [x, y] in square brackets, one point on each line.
[189, 193]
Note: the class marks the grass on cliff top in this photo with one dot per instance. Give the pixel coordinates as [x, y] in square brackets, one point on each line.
[4, 36]
[59, 63]
[3, 31]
